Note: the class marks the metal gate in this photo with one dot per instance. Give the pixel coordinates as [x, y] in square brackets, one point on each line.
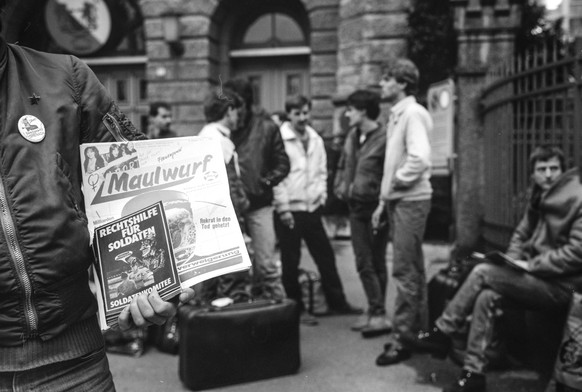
[530, 100]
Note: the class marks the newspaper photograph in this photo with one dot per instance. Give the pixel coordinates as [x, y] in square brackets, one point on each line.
[188, 176]
[134, 256]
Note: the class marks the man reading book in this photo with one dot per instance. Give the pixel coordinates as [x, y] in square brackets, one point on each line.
[547, 241]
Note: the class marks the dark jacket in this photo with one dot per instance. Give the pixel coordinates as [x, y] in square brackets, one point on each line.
[262, 159]
[360, 168]
[550, 233]
[44, 244]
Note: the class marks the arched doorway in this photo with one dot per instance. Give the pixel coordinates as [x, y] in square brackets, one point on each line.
[267, 42]
[273, 54]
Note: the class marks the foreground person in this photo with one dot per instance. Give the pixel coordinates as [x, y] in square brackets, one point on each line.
[49, 335]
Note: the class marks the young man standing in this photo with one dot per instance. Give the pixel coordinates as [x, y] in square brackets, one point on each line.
[298, 201]
[263, 164]
[358, 183]
[547, 243]
[406, 193]
[160, 121]
[222, 109]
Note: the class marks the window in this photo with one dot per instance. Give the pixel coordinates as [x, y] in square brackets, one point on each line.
[273, 30]
[293, 84]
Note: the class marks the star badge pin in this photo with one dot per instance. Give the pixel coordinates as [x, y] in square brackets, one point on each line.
[34, 98]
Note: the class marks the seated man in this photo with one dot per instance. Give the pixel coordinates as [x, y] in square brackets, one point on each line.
[547, 242]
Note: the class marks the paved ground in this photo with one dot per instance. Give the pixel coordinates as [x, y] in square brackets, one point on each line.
[334, 358]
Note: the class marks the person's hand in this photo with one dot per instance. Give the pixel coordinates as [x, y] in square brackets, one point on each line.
[287, 219]
[377, 216]
[186, 295]
[148, 309]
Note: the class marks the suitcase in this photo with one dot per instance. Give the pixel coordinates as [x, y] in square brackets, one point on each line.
[238, 343]
[312, 292]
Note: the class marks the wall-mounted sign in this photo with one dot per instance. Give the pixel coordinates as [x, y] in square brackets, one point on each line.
[82, 27]
[441, 107]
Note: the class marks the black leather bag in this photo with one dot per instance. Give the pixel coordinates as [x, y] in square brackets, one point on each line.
[238, 343]
[312, 292]
[165, 337]
[445, 283]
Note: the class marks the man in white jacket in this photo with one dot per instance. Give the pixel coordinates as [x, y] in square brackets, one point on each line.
[406, 193]
[298, 201]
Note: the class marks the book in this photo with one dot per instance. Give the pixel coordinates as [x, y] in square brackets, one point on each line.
[188, 176]
[135, 256]
[501, 258]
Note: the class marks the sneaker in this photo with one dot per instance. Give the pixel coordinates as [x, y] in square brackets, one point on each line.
[361, 323]
[308, 319]
[377, 326]
[468, 382]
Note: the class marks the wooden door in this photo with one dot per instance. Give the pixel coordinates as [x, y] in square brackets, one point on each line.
[274, 78]
[128, 87]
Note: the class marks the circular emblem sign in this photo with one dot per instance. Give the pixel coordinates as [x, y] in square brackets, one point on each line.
[31, 128]
[81, 27]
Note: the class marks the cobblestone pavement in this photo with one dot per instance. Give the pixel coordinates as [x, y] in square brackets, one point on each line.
[334, 358]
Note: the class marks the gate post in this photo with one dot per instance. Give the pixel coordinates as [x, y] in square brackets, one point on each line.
[486, 34]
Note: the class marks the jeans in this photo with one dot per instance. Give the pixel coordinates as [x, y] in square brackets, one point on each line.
[482, 295]
[407, 222]
[89, 373]
[370, 253]
[262, 232]
[308, 226]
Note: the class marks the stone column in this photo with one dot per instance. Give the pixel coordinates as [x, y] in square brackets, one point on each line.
[486, 35]
[181, 80]
[371, 32]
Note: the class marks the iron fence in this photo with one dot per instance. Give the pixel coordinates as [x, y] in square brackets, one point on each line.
[530, 100]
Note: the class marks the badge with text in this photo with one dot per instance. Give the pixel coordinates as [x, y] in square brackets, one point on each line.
[31, 128]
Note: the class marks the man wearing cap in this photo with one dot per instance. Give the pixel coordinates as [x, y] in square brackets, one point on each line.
[406, 194]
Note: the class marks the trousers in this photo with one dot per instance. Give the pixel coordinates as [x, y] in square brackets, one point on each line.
[260, 226]
[309, 227]
[370, 252]
[408, 221]
[89, 373]
[486, 291]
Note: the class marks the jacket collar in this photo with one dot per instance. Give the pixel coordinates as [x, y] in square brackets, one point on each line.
[222, 129]
[287, 133]
[399, 107]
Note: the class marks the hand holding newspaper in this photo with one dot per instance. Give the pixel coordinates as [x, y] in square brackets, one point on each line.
[181, 181]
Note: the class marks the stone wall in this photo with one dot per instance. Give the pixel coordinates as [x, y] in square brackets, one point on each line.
[183, 81]
[349, 41]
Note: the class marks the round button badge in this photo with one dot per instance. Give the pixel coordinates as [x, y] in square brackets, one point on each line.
[31, 128]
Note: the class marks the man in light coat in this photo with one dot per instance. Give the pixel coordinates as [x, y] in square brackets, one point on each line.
[406, 193]
[298, 201]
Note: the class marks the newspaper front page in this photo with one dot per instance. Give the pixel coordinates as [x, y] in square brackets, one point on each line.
[135, 256]
[188, 176]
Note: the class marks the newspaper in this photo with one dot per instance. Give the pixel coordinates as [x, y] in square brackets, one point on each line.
[136, 257]
[188, 176]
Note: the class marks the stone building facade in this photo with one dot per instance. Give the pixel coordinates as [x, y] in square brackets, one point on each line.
[176, 50]
[342, 45]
